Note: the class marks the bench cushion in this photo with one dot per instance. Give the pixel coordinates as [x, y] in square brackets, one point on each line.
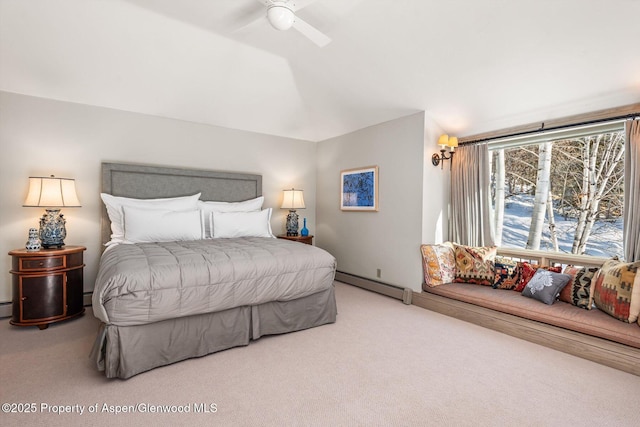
[560, 314]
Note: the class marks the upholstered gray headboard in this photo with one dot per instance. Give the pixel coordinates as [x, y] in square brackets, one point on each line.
[148, 182]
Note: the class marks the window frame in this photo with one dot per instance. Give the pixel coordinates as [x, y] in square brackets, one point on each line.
[551, 257]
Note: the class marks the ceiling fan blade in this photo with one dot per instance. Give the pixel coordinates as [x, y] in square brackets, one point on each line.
[254, 20]
[311, 33]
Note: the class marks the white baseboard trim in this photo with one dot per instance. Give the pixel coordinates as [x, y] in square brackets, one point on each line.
[403, 294]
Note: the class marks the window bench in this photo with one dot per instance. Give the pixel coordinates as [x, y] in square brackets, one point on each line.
[590, 334]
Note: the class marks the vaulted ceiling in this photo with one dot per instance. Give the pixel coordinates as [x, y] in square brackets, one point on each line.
[471, 65]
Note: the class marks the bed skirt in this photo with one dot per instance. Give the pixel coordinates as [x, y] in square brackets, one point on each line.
[124, 351]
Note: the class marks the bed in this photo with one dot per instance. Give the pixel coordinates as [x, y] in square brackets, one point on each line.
[160, 302]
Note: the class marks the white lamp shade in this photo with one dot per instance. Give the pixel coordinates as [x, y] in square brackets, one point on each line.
[443, 140]
[453, 142]
[293, 199]
[280, 17]
[51, 192]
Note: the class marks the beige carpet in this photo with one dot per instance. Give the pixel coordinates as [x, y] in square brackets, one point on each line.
[383, 363]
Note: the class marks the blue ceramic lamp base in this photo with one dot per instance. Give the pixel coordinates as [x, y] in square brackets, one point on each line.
[292, 223]
[52, 229]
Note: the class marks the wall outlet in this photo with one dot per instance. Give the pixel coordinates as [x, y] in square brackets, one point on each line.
[378, 273]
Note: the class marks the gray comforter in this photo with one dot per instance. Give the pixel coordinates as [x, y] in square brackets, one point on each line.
[149, 282]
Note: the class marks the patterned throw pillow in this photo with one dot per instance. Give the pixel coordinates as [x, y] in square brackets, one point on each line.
[527, 272]
[475, 264]
[438, 264]
[617, 290]
[545, 285]
[579, 291]
[507, 273]
[572, 271]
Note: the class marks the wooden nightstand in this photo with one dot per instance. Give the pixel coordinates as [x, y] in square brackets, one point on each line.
[302, 239]
[47, 285]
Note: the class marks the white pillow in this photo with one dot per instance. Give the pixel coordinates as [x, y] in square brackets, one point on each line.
[114, 209]
[207, 208]
[242, 224]
[152, 225]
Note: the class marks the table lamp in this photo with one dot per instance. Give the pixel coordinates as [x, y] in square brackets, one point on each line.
[293, 199]
[52, 193]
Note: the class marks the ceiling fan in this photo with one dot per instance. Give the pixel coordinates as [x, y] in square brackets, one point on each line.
[282, 16]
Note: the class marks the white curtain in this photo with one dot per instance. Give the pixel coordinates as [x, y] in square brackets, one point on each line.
[470, 217]
[632, 191]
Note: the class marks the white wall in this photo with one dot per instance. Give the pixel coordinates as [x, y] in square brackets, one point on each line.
[43, 137]
[435, 188]
[390, 239]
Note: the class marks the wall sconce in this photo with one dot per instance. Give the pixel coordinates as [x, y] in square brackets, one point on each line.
[445, 141]
[52, 193]
[293, 199]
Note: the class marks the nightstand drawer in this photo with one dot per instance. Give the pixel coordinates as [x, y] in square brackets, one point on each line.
[32, 264]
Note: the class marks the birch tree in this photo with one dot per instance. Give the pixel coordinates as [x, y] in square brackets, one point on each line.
[601, 159]
[498, 213]
[541, 195]
[551, 219]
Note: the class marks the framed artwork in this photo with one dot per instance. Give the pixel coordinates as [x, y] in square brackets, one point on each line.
[359, 189]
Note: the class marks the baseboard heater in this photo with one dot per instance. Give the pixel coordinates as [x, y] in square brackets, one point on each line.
[403, 294]
[5, 309]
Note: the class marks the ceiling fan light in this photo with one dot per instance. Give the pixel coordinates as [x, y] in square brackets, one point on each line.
[280, 17]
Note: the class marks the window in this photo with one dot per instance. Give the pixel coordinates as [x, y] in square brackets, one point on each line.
[560, 191]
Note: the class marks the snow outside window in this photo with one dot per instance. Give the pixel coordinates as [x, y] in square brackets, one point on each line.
[561, 190]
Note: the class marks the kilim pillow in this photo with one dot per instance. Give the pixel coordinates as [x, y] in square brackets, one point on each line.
[579, 291]
[545, 285]
[438, 264]
[565, 295]
[475, 264]
[507, 273]
[617, 290]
